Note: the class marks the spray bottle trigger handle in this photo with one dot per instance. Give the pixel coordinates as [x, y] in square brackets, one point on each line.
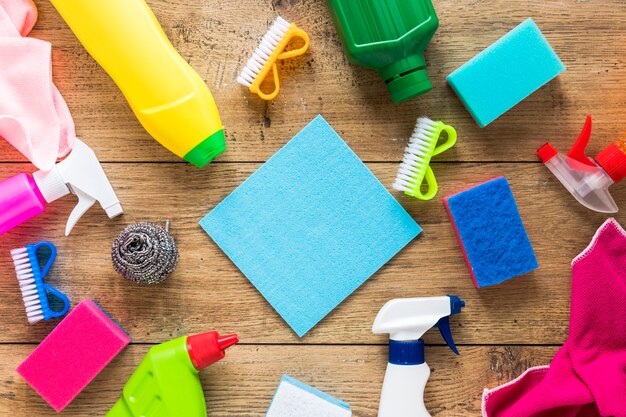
[85, 201]
[444, 328]
[580, 146]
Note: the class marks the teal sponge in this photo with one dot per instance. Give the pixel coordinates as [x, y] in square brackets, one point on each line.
[505, 73]
[491, 233]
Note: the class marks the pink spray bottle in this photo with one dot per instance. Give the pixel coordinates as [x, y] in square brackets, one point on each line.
[24, 196]
[587, 179]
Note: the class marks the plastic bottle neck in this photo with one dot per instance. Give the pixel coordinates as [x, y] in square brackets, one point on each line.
[406, 78]
[406, 353]
[50, 184]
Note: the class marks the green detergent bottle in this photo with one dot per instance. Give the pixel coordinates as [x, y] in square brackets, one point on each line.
[389, 36]
[166, 382]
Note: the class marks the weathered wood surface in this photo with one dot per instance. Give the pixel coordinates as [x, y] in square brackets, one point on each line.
[503, 330]
[243, 384]
[208, 290]
[217, 38]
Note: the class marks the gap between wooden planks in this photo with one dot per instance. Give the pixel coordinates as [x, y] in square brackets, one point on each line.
[207, 291]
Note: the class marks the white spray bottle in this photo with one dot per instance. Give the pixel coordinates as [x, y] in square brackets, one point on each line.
[406, 320]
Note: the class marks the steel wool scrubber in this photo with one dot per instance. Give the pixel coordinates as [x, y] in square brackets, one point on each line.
[145, 253]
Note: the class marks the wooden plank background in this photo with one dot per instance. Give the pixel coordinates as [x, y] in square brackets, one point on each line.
[503, 330]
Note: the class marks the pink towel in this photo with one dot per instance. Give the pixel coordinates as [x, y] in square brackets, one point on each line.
[33, 115]
[587, 377]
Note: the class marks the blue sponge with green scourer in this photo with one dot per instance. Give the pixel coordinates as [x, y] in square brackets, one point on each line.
[491, 233]
[505, 73]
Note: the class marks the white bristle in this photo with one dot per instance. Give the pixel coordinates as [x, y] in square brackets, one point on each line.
[263, 51]
[18, 251]
[416, 154]
[26, 280]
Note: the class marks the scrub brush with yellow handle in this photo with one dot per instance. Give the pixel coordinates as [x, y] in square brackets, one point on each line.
[270, 50]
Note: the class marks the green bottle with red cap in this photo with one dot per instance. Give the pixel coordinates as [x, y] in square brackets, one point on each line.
[166, 382]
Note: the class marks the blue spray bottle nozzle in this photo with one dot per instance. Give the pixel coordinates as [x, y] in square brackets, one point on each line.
[456, 304]
[444, 328]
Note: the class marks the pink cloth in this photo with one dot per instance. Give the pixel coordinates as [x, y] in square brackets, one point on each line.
[33, 115]
[587, 377]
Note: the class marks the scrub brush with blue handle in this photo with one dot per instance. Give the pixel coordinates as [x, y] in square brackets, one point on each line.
[30, 276]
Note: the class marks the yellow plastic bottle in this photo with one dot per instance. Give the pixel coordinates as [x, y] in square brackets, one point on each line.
[169, 98]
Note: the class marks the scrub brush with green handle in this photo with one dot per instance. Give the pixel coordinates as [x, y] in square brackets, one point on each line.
[415, 176]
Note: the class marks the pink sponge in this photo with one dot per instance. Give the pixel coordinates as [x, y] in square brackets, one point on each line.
[73, 354]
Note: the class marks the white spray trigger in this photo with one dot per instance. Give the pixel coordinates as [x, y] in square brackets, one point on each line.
[80, 173]
[408, 319]
[85, 201]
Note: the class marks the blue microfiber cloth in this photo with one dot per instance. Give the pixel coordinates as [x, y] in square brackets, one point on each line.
[491, 233]
[310, 226]
[297, 399]
[505, 73]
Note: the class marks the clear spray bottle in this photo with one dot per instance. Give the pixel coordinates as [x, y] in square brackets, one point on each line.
[588, 179]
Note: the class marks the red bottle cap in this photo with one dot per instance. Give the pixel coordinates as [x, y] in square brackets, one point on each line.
[207, 348]
[546, 152]
[613, 161]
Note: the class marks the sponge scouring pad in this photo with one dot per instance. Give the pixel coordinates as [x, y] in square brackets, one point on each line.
[491, 233]
[73, 354]
[505, 73]
[296, 399]
[310, 226]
